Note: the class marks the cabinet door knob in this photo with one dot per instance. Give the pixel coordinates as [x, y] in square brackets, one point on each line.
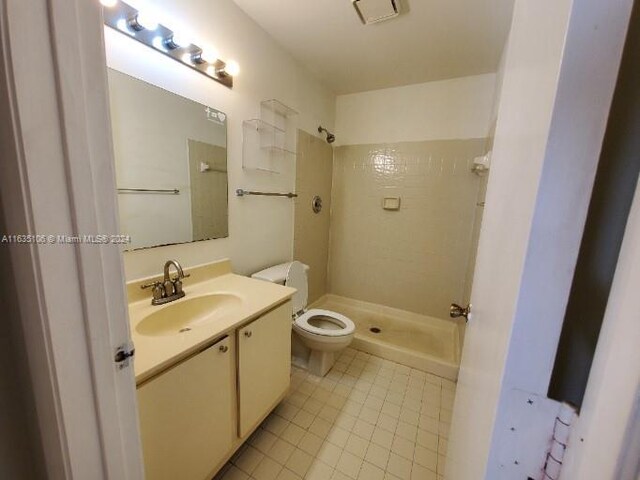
[224, 348]
[456, 311]
[248, 333]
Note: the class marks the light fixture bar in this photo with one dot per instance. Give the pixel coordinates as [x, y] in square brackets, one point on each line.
[123, 18]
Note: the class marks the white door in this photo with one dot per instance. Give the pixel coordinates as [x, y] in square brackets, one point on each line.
[559, 73]
[57, 177]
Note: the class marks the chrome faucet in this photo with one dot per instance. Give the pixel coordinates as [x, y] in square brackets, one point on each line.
[169, 289]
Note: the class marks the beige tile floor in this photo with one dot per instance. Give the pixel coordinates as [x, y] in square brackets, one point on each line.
[368, 419]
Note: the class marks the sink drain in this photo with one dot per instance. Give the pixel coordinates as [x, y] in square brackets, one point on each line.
[185, 329]
[374, 330]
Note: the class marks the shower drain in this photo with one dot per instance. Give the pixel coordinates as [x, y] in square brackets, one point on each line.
[374, 330]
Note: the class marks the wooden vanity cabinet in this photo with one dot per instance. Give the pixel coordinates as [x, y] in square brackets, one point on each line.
[264, 365]
[188, 415]
[196, 414]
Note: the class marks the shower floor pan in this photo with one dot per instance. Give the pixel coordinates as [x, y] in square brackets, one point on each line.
[419, 341]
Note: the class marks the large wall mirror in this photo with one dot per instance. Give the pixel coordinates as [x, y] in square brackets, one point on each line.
[171, 165]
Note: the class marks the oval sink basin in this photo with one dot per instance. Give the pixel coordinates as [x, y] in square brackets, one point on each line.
[186, 314]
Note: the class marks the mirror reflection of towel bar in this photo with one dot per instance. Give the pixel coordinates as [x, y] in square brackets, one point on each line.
[241, 193]
[172, 191]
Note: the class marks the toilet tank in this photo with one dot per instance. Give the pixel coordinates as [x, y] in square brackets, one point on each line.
[276, 274]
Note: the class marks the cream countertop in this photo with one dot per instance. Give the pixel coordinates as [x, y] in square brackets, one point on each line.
[158, 352]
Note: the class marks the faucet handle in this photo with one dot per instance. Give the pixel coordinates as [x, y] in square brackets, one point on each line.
[177, 286]
[158, 289]
[169, 288]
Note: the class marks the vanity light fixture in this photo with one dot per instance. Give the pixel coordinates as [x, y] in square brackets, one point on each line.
[176, 40]
[209, 55]
[179, 40]
[142, 26]
[143, 21]
[187, 58]
[231, 68]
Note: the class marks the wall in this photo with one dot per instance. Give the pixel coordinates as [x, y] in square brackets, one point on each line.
[484, 179]
[443, 110]
[260, 229]
[311, 234]
[416, 142]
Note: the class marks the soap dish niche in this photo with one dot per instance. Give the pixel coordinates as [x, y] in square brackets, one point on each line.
[391, 203]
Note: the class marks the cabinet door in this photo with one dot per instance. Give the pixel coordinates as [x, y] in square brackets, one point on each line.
[264, 366]
[187, 415]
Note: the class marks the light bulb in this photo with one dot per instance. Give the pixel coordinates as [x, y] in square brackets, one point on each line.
[209, 54]
[109, 3]
[212, 71]
[232, 68]
[159, 42]
[187, 58]
[146, 21]
[181, 40]
[123, 26]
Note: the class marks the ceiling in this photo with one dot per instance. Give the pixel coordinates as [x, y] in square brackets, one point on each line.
[430, 40]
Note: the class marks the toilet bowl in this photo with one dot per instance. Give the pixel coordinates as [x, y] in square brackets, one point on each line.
[318, 334]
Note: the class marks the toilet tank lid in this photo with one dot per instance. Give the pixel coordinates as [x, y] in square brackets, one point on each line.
[276, 274]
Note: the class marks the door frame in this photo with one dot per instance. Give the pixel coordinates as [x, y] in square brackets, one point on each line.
[57, 177]
[560, 72]
[600, 423]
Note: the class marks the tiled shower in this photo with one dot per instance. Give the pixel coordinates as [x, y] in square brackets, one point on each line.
[393, 271]
[415, 258]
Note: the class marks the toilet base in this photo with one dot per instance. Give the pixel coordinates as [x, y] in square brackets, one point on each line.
[316, 362]
[321, 362]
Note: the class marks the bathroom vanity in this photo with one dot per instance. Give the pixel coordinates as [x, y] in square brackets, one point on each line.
[209, 368]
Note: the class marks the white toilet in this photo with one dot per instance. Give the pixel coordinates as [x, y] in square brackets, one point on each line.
[318, 334]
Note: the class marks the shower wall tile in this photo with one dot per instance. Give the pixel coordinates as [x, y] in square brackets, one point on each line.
[208, 190]
[416, 258]
[314, 166]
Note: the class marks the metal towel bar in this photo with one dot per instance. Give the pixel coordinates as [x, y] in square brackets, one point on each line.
[172, 191]
[241, 193]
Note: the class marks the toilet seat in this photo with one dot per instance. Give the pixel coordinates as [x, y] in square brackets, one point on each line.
[314, 347]
[347, 327]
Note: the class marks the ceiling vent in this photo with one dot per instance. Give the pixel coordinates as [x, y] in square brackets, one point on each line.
[374, 11]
